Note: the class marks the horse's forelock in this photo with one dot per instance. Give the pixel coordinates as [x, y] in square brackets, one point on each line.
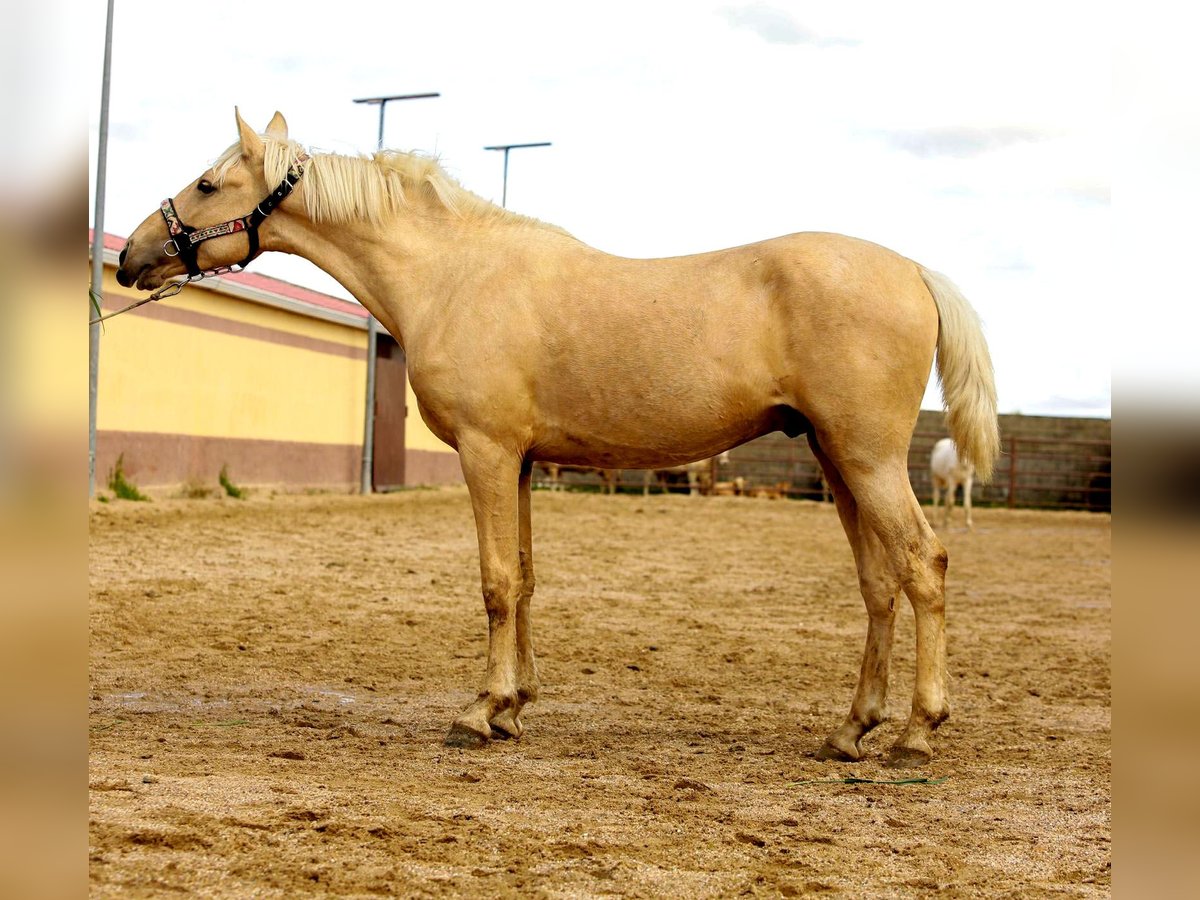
[225, 163]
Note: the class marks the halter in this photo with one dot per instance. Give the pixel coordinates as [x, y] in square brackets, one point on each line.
[184, 239]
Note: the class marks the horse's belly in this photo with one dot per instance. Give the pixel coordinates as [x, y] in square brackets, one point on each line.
[649, 435]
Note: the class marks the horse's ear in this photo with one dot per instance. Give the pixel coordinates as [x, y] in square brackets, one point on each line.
[277, 127]
[252, 144]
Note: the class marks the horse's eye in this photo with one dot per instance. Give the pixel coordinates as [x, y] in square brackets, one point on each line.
[205, 187]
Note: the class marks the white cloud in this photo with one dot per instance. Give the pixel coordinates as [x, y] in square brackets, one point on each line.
[777, 26]
[959, 140]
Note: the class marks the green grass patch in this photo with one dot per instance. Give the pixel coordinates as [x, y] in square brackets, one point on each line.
[121, 486]
[95, 298]
[230, 488]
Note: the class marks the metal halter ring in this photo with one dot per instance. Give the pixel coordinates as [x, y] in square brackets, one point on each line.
[168, 245]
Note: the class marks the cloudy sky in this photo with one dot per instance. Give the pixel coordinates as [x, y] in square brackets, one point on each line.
[973, 138]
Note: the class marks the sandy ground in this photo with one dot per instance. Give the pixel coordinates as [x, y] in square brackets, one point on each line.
[271, 680]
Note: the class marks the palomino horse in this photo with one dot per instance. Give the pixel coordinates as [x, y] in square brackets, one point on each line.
[526, 344]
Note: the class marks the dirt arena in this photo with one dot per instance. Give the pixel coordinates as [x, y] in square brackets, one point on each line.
[271, 680]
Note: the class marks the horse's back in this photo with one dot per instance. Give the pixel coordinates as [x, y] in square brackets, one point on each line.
[661, 361]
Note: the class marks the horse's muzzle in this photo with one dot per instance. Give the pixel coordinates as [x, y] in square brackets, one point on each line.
[128, 266]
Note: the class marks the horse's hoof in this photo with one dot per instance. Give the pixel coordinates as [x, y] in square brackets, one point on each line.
[506, 726]
[465, 738]
[830, 753]
[906, 758]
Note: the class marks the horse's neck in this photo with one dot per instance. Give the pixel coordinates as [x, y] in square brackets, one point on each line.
[391, 269]
[406, 271]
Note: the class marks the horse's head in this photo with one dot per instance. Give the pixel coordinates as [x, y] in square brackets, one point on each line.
[213, 222]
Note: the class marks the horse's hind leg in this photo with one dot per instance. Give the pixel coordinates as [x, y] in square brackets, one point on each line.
[887, 506]
[879, 586]
[492, 475]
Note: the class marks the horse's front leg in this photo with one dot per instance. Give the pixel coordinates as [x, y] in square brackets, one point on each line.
[492, 474]
[507, 723]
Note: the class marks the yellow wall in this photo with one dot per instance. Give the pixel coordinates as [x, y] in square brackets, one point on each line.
[164, 377]
[158, 376]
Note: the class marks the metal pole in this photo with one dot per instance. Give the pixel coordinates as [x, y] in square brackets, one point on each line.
[504, 188]
[97, 285]
[506, 148]
[366, 480]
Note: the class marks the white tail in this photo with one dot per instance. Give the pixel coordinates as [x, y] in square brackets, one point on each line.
[965, 370]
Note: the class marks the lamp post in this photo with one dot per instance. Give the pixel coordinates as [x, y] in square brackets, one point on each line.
[506, 148]
[366, 483]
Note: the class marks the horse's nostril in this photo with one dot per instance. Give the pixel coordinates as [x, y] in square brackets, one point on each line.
[124, 253]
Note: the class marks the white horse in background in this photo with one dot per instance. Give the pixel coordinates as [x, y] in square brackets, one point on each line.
[947, 472]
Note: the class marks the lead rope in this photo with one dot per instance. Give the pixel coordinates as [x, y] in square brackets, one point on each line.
[170, 289]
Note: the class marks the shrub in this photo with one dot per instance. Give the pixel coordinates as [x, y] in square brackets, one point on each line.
[121, 486]
[230, 488]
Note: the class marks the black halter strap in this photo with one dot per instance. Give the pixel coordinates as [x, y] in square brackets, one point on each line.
[184, 240]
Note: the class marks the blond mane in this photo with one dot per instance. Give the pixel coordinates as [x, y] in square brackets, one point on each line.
[372, 188]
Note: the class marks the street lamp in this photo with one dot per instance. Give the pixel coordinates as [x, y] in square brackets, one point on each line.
[382, 103]
[368, 454]
[506, 148]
